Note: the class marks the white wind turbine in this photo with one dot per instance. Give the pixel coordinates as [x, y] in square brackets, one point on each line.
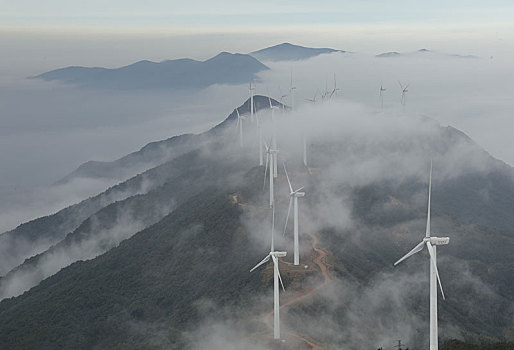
[382, 96]
[293, 201]
[431, 243]
[292, 90]
[276, 297]
[335, 89]
[273, 138]
[240, 127]
[276, 278]
[404, 91]
[271, 154]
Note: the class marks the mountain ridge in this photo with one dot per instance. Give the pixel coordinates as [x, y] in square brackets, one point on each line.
[179, 74]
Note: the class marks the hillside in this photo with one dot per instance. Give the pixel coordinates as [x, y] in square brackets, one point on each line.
[182, 281]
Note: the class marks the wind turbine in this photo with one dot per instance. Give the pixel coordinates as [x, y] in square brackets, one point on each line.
[291, 90]
[273, 138]
[239, 125]
[431, 243]
[404, 91]
[293, 200]
[382, 96]
[270, 155]
[335, 89]
[276, 278]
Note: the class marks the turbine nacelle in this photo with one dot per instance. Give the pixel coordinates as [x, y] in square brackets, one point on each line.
[437, 240]
[278, 254]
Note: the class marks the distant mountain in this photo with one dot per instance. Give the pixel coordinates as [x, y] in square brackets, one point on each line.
[225, 68]
[422, 53]
[290, 52]
[389, 54]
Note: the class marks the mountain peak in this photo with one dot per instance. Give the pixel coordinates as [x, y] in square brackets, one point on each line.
[290, 52]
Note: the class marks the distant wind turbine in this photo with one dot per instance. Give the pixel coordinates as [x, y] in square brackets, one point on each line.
[382, 89]
[292, 90]
[431, 243]
[404, 91]
[335, 89]
[293, 201]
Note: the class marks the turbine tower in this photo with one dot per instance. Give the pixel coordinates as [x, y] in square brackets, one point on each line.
[431, 243]
[259, 131]
[240, 127]
[304, 140]
[293, 200]
[271, 154]
[251, 91]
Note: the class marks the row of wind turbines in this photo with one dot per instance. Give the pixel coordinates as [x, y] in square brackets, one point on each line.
[272, 151]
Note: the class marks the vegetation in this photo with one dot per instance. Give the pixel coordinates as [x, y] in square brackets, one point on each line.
[461, 345]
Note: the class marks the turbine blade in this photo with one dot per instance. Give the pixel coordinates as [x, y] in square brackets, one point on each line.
[263, 261]
[270, 105]
[265, 171]
[275, 261]
[288, 212]
[238, 116]
[432, 261]
[414, 250]
[287, 177]
[427, 231]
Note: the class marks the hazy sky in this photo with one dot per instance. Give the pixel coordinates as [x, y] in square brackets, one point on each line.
[357, 25]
